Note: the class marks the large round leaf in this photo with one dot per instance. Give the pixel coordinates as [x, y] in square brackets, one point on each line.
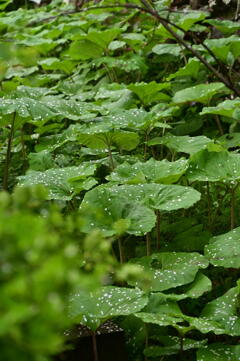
[103, 136]
[198, 93]
[98, 306]
[105, 206]
[170, 269]
[172, 345]
[228, 108]
[219, 352]
[62, 183]
[182, 144]
[214, 166]
[224, 311]
[224, 250]
[27, 108]
[150, 171]
[159, 196]
[195, 289]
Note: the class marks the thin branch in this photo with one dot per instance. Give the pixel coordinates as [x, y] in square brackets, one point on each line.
[148, 9]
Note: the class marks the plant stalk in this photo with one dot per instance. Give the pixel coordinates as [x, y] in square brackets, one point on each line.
[94, 344]
[8, 155]
[158, 229]
[232, 208]
[121, 250]
[110, 158]
[209, 207]
[148, 240]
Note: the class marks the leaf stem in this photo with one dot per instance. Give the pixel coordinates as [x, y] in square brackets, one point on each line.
[121, 250]
[110, 157]
[232, 207]
[219, 125]
[8, 155]
[158, 229]
[148, 240]
[94, 344]
[209, 207]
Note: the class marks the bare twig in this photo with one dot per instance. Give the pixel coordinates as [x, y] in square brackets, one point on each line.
[147, 8]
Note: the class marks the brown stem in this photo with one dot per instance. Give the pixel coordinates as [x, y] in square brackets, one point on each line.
[94, 344]
[219, 125]
[181, 347]
[121, 250]
[209, 207]
[8, 155]
[146, 340]
[232, 208]
[148, 240]
[24, 153]
[166, 24]
[146, 145]
[158, 229]
[110, 157]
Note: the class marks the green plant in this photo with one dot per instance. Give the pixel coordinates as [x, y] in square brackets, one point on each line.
[128, 114]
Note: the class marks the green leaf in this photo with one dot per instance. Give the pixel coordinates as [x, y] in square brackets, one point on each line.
[96, 307]
[182, 144]
[104, 207]
[70, 109]
[103, 38]
[58, 180]
[219, 352]
[190, 69]
[224, 250]
[149, 92]
[84, 50]
[214, 166]
[40, 161]
[227, 27]
[116, 44]
[170, 269]
[171, 49]
[27, 108]
[56, 64]
[5, 3]
[159, 319]
[187, 20]
[150, 171]
[172, 346]
[199, 93]
[230, 140]
[197, 288]
[224, 311]
[228, 108]
[103, 136]
[160, 196]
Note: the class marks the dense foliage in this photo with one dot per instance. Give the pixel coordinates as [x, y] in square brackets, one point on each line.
[120, 169]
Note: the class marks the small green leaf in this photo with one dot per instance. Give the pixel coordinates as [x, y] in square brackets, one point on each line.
[171, 49]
